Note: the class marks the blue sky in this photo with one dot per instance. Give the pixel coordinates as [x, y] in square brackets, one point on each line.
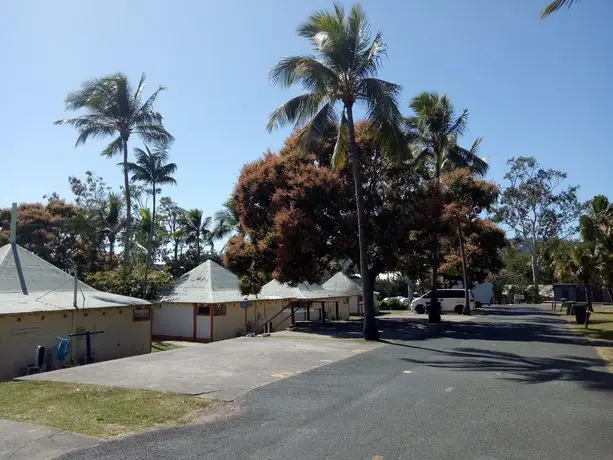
[533, 88]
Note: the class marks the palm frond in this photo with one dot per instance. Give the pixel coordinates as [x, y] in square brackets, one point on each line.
[317, 126]
[298, 110]
[308, 71]
[139, 88]
[113, 148]
[341, 148]
[458, 157]
[554, 6]
[383, 112]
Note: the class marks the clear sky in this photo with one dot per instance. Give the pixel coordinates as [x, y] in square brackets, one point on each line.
[533, 88]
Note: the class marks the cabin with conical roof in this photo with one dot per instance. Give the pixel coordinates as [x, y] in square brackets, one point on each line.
[42, 307]
[206, 305]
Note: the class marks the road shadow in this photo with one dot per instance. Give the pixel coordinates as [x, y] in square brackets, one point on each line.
[390, 328]
[534, 325]
[513, 367]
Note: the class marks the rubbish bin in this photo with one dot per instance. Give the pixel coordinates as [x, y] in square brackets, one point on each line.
[569, 307]
[580, 311]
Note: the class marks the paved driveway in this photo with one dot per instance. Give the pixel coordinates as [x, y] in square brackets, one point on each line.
[511, 384]
[221, 370]
[22, 441]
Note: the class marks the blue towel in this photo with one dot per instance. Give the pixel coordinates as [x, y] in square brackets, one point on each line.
[62, 349]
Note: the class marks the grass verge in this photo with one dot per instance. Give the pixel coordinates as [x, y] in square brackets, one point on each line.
[600, 331]
[164, 346]
[96, 410]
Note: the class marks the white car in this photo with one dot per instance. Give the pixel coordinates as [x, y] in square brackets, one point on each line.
[450, 300]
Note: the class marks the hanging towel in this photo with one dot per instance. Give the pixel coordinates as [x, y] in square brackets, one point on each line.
[62, 349]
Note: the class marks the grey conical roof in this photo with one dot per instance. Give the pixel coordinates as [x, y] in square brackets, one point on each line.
[30, 284]
[207, 283]
[342, 284]
[301, 291]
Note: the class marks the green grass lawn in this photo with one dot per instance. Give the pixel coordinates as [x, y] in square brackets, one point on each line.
[96, 410]
[600, 328]
[164, 346]
[600, 325]
[394, 312]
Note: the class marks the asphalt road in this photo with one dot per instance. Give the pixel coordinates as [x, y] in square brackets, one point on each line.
[512, 384]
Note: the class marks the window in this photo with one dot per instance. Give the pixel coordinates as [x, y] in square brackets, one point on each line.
[204, 310]
[141, 314]
[220, 310]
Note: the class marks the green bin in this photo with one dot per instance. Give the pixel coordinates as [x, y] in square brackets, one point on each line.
[580, 311]
[569, 307]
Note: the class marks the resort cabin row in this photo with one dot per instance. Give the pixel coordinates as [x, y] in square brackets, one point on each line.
[48, 319]
[206, 305]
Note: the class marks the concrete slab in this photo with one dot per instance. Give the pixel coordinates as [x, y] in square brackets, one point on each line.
[221, 370]
[23, 441]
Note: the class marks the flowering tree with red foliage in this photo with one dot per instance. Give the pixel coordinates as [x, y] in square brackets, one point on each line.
[471, 244]
[289, 209]
[298, 215]
[58, 232]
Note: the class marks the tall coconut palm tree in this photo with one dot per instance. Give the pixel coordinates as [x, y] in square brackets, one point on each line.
[113, 109]
[113, 222]
[434, 131]
[554, 6]
[341, 73]
[227, 221]
[152, 168]
[196, 229]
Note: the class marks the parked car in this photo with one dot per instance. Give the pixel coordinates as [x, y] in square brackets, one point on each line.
[450, 300]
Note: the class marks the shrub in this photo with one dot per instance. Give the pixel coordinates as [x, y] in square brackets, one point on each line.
[112, 281]
[393, 304]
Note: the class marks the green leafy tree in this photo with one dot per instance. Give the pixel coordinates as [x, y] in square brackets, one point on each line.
[597, 228]
[227, 221]
[171, 218]
[434, 133]
[196, 229]
[113, 281]
[152, 168]
[113, 220]
[537, 209]
[113, 109]
[342, 71]
[578, 261]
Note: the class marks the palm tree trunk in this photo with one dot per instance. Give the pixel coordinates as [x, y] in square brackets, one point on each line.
[434, 313]
[127, 239]
[370, 330]
[466, 310]
[149, 241]
[588, 298]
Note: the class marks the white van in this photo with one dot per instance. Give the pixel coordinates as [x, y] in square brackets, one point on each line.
[450, 300]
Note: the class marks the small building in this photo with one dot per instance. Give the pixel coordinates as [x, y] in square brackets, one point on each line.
[206, 305]
[357, 305]
[310, 302]
[345, 286]
[42, 306]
